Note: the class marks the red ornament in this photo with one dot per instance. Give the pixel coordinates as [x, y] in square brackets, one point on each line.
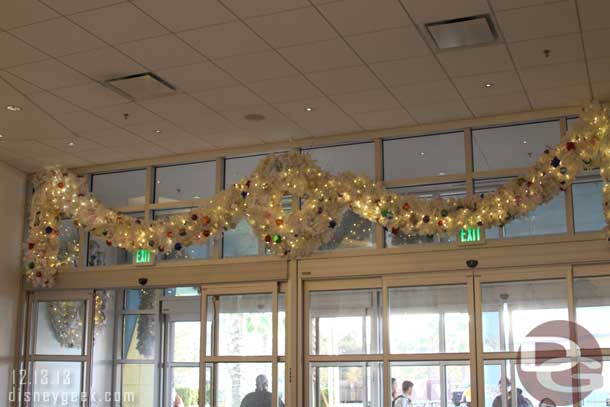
[38, 274]
[440, 223]
[206, 233]
[395, 230]
[529, 184]
[268, 239]
[170, 234]
[60, 185]
[406, 206]
[108, 242]
[161, 248]
[205, 219]
[570, 146]
[279, 222]
[31, 246]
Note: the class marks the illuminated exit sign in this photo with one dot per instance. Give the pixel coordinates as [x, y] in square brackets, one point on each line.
[472, 235]
[143, 257]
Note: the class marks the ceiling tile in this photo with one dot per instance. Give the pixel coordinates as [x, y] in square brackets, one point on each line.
[546, 20]
[384, 119]
[52, 104]
[500, 5]
[426, 93]
[23, 12]
[598, 69]
[161, 52]
[103, 155]
[367, 101]
[18, 83]
[275, 127]
[594, 14]
[91, 96]
[502, 83]
[563, 48]
[103, 64]
[271, 114]
[601, 90]
[549, 76]
[325, 119]
[345, 80]
[68, 7]
[176, 108]
[225, 40]
[321, 56]
[83, 122]
[72, 145]
[186, 144]
[474, 61]
[120, 23]
[197, 77]
[409, 71]
[158, 131]
[115, 137]
[426, 11]
[28, 148]
[498, 104]
[60, 158]
[49, 74]
[204, 125]
[231, 98]
[559, 96]
[440, 112]
[180, 15]
[16, 52]
[136, 114]
[236, 138]
[596, 43]
[292, 27]
[285, 89]
[249, 8]
[58, 37]
[360, 16]
[397, 43]
[26, 165]
[257, 67]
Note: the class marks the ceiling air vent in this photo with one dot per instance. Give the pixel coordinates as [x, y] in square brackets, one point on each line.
[463, 32]
[142, 86]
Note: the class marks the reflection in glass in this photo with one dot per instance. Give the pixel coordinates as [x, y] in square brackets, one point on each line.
[424, 156]
[457, 389]
[140, 299]
[185, 341]
[514, 146]
[181, 291]
[60, 328]
[120, 189]
[436, 319]
[245, 324]
[242, 384]
[139, 337]
[55, 384]
[512, 310]
[592, 300]
[104, 348]
[137, 383]
[587, 203]
[356, 158]
[241, 241]
[185, 182]
[69, 242]
[345, 322]
[428, 192]
[281, 324]
[355, 384]
[600, 397]
[184, 385]
[192, 252]
[352, 232]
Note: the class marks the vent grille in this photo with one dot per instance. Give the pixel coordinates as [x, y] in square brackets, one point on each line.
[142, 86]
[463, 32]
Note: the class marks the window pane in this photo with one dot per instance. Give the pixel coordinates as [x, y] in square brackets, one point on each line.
[120, 189]
[512, 146]
[185, 341]
[448, 190]
[345, 322]
[185, 182]
[56, 384]
[427, 312]
[512, 310]
[140, 299]
[139, 337]
[239, 167]
[69, 242]
[245, 325]
[458, 390]
[592, 298]
[104, 346]
[413, 157]
[281, 384]
[281, 324]
[600, 397]
[241, 241]
[181, 292]
[184, 386]
[193, 252]
[60, 327]
[99, 253]
[426, 390]
[137, 385]
[356, 384]
[243, 384]
[357, 158]
[587, 201]
[352, 232]
[548, 218]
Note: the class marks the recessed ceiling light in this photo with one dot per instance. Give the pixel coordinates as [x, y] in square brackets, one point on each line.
[158, 182]
[71, 144]
[13, 108]
[157, 131]
[196, 197]
[441, 173]
[489, 85]
[421, 154]
[524, 141]
[1, 135]
[309, 109]
[254, 117]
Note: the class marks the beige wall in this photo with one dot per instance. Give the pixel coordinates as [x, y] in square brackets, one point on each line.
[12, 206]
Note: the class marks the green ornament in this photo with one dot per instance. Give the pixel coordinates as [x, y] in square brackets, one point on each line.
[151, 243]
[563, 170]
[386, 213]
[31, 265]
[444, 213]
[277, 238]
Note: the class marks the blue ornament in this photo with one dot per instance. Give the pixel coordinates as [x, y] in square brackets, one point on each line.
[178, 246]
[332, 224]
[555, 162]
[49, 230]
[244, 194]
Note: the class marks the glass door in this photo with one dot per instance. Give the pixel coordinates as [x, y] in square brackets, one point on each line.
[58, 347]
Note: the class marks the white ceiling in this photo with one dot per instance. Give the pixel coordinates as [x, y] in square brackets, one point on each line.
[361, 64]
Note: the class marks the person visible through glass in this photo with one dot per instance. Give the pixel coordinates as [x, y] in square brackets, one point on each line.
[261, 397]
[522, 401]
[547, 402]
[404, 399]
[394, 388]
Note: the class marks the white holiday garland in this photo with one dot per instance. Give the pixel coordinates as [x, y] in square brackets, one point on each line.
[258, 198]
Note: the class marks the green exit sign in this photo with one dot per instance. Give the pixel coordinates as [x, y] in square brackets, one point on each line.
[143, 257]
[472, 235]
